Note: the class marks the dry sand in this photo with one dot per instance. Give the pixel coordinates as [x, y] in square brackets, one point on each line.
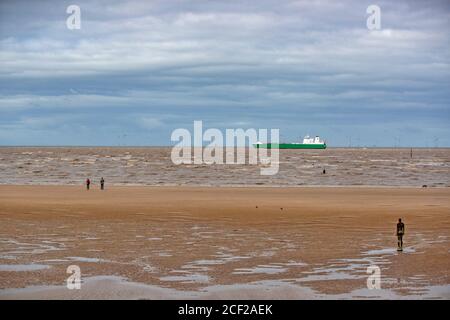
[190, 242]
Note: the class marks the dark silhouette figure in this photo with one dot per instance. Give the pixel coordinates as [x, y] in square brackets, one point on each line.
[102, 183]
[88, 183]
[324, 171]
[400, 233]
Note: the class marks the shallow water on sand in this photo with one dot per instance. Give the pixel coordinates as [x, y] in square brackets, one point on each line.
[22, 267]
[241, 262]
[113, 287]
[227, 239]
[153, 166]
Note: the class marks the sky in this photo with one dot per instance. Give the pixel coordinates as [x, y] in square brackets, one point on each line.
[137, 70]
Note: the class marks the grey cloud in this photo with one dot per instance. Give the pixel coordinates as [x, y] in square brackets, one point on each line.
[239, 61]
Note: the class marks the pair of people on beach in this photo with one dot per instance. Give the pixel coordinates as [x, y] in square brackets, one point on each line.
[102, 183]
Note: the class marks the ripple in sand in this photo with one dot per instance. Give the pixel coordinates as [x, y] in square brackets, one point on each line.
[86, 259]
[187, 278]
[266, 269]
[32, 248]
[292, 263]
[342, 269]
[55, 260]
[164, 254]
[23, 267]
[227, 257]
[8, 257]
[207, 262]
[329, 275]
[387, 251]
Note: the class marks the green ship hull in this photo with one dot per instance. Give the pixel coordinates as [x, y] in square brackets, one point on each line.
[290, 146]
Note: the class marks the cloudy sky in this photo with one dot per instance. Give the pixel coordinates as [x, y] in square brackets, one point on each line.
[137, 70]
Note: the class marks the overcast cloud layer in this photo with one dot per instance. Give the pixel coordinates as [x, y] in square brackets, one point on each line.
[136, 70]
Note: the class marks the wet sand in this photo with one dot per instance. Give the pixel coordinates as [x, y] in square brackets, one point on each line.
[217, 242]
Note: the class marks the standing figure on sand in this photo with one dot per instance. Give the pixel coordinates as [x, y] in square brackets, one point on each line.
[400, 233]
[88, 183]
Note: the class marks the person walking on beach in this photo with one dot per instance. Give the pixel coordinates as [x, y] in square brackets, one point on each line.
[102, 183]
[400, 233]
[88, 183]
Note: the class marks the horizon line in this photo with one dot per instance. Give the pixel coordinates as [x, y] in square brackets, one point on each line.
[171, 146]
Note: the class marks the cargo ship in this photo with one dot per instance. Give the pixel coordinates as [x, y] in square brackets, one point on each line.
[308, 143]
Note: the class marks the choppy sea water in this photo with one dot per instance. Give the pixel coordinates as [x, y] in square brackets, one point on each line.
[153, 166]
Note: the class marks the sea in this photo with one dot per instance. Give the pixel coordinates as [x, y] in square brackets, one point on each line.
[153, 166]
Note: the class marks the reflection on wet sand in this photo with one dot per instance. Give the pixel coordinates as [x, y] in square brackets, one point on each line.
[218, 241]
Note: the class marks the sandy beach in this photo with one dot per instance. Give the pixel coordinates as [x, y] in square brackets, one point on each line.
[218, 242]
